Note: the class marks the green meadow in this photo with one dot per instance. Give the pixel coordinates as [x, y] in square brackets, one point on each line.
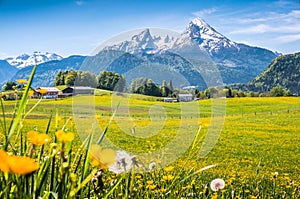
[257, 153]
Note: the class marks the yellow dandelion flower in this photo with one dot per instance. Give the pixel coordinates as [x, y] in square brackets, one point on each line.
[163, 190]
[193, 182]
[150, 182]
[21, 81]
[64, 137]
[17, 164]
[169, 168]
[168, 177]
[38, 138]
[30, 93]
[138, 176]
[152, 187]
[247, 191]
[102, 157]
[252, 197]
[214, 197]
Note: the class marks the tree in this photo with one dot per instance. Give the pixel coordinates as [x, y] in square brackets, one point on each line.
[60, 78]
[170, 86]
[165, 90]
[137, 83]
[84, 78]
[70, 78]
[277, 91]
[9, 86]
[149, 89]
[111, 81]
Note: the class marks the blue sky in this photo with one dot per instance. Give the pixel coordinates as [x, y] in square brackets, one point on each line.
[69, 27]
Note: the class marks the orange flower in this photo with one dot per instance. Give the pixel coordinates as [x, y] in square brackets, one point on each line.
[64, 137]
[38, 138]
[102, 157]
[17, 164]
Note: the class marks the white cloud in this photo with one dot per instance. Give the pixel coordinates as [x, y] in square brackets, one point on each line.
[288, 38]
[272, 22]
[201, 13]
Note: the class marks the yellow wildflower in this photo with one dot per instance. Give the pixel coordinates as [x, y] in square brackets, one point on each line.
[169, 168]
[138, 176]
[214, 197]
[149, 182]
[102, 158]
[64, 137]
[38, 138]
[17, 164]
[21, 81]
[152, 187]
[30, 93]
[252, 197]
[168, 177]
[163, 190]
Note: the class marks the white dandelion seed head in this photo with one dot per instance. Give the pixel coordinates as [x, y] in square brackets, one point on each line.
[217, 184]
[152, 166]
[123, 162]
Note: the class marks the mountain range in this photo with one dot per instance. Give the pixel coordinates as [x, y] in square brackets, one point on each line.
[25, 60]
[192, 58]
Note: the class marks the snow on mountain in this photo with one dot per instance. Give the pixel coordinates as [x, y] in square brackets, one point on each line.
[25, 60]
[197, 32]
[143, 42]
[206, 36]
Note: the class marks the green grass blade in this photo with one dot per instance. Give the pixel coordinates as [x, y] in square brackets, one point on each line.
[21, 108]
[107, 126]
[4, 119]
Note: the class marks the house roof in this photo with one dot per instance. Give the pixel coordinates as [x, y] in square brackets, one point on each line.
[82, 88]
[49, 89]
[185, 95]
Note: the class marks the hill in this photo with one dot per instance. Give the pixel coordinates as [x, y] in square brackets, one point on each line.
[6, 71]
[284, 71]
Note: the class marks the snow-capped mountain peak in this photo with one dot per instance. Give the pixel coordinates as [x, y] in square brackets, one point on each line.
[143, 42]
[37, 57]
[206, 36]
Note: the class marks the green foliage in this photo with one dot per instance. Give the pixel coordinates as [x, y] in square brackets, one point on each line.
[9, 86]
[283, 72]
[277, 91]
[77, 78]
[146, 86]
[111, 81]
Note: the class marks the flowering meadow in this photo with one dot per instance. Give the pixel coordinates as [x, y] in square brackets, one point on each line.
[42, 155]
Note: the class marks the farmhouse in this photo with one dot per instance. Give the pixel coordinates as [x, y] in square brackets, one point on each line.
[47, 92]
[79, 90]
[185, 97]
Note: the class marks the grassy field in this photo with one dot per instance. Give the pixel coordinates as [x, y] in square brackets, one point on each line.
[260, 137]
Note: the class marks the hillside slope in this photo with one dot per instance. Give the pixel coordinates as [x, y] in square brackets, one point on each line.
[283, 71]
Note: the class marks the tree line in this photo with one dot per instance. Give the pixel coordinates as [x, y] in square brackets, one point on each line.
[113, 81]
[109, 80]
